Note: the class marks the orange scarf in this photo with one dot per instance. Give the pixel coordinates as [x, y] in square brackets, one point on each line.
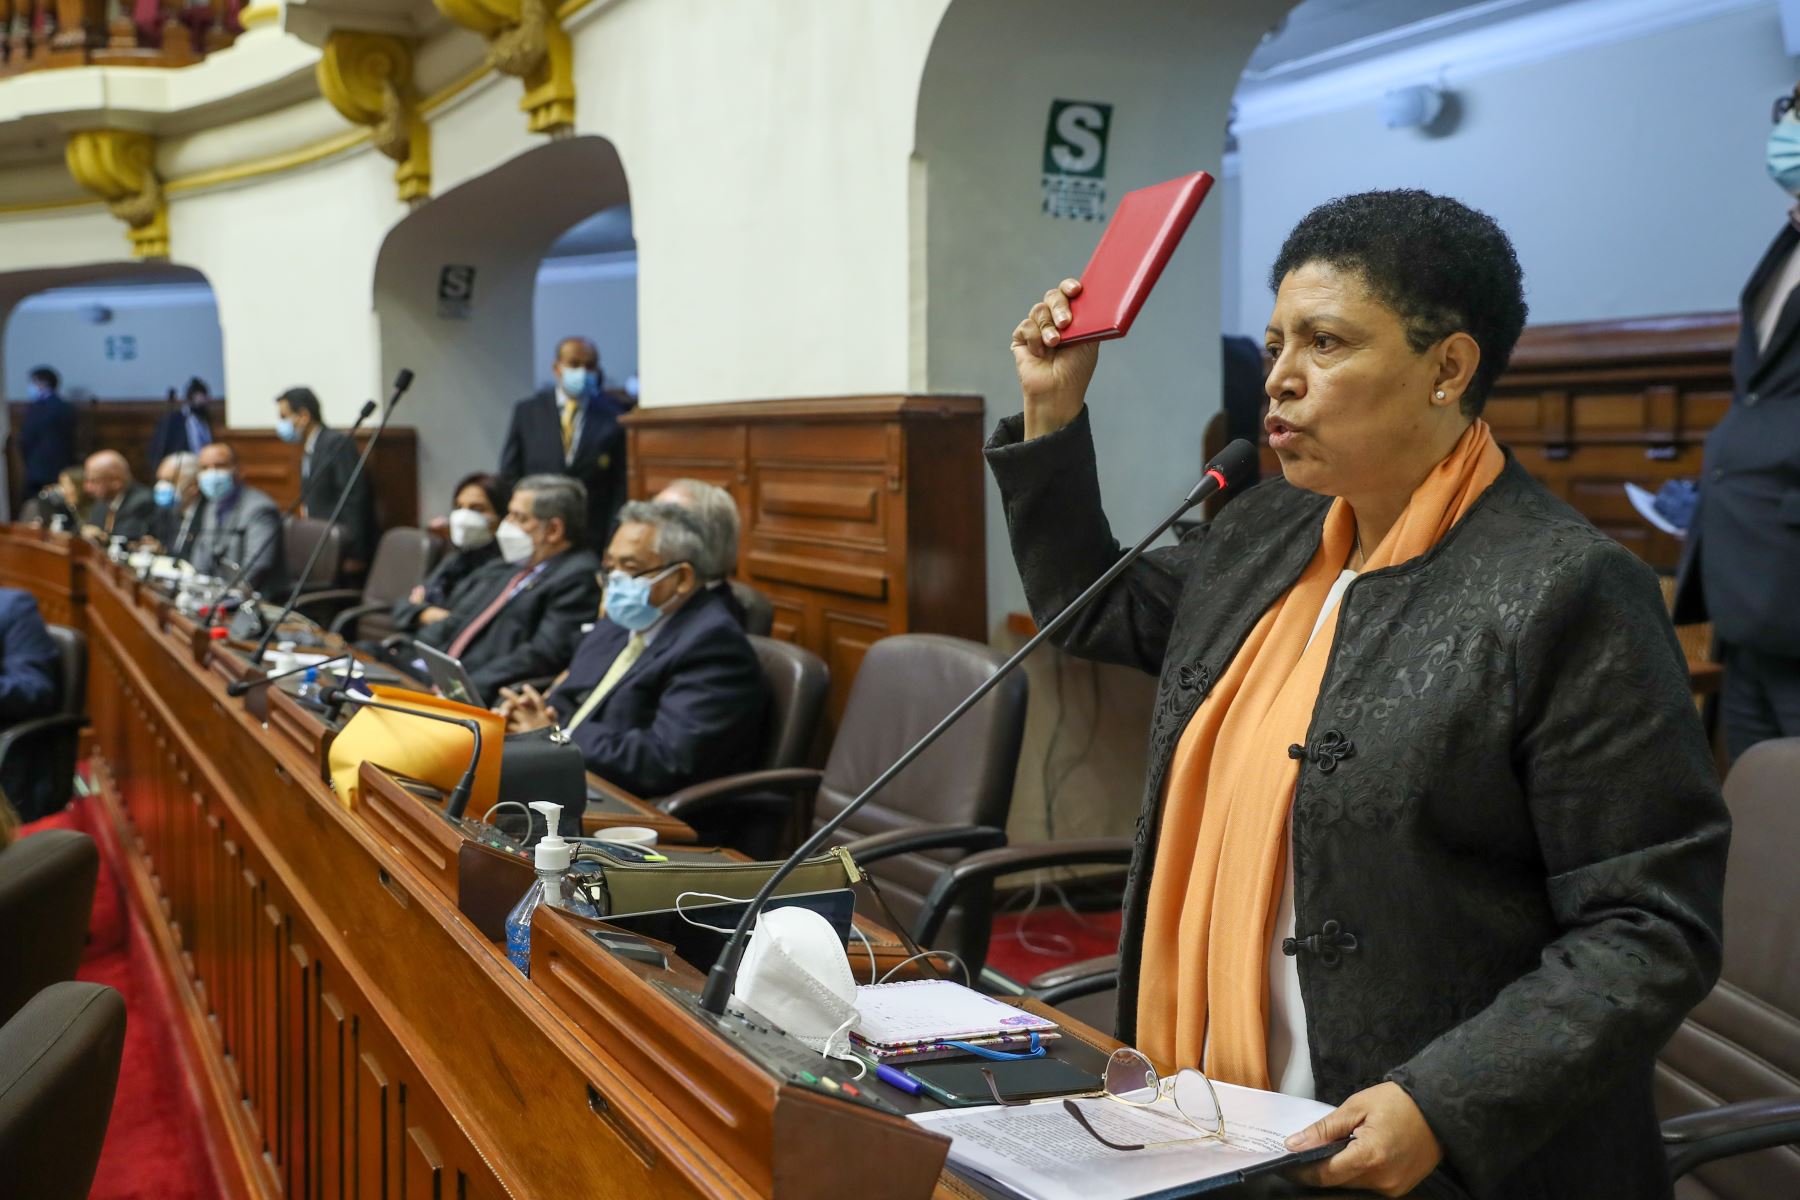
[1221, 857]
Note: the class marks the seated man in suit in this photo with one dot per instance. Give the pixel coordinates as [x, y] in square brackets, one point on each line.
[519, 618]
[572, 429]
[236, 521]
[121, 506]
[178, 505]
[326, 459]
[665, 691]
[30, 683]
[717, 515]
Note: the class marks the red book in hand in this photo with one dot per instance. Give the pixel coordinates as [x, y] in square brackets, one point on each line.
[1143, 233]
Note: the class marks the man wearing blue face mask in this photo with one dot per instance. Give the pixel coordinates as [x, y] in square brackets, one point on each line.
[236, 520]
[665, 691]
[572, 428]
[327, 459]
[1740, 567]
[178, 505]
[47, 433]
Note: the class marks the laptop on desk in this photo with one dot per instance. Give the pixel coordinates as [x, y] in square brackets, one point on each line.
[448, 675]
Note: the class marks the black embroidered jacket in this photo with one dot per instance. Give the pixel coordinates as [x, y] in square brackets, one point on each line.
[1509, 840]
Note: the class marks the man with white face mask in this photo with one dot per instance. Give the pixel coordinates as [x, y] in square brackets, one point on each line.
[572, 428]
[520, 617]
[665, 691]
[1740, 567]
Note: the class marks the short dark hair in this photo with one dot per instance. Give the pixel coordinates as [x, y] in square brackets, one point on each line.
[301, 399]
[1440, 265]
[46, 376]
[499, 493]
[197, 387]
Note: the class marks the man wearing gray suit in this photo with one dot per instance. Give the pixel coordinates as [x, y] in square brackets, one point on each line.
[238, 520]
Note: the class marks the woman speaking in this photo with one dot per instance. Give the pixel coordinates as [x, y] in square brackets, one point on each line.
[1431, 830]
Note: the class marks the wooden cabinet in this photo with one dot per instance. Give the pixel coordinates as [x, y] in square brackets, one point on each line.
[862, 517]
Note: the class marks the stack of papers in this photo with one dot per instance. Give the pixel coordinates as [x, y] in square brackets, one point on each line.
[1040, 1152]
[915, 1020]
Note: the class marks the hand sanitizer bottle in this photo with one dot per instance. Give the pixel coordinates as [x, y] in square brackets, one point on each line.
[553, 854]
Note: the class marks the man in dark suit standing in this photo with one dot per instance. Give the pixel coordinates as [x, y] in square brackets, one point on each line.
[121, 506]
[327, 457]
[185, 427]
[665, 692]
[1741, 564]
[520, 618]
[47, 434]
[572, 429]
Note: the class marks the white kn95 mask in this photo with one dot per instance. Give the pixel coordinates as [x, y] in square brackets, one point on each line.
[795, 973]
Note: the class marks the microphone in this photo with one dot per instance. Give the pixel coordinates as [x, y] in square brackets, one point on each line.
[459, 796]
[1227, 470]
[368, 410]
[240, 687]
[402, 381]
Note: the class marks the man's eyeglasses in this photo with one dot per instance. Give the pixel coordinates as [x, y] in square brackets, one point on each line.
[1131, 1079]
[1783, 105]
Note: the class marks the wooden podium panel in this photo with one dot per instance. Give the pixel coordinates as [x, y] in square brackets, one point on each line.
[351, 1032]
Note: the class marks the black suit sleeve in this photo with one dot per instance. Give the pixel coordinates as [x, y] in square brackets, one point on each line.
[29, 663]
[137, 514]
[1633, 834]
[512, 451]
[357, 520]
[1061, 542]
[571, 601]
[702, 708]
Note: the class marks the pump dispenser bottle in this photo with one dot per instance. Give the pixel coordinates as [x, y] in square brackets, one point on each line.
[553, 855]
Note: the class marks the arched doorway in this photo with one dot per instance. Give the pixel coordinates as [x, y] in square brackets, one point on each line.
[456, 286]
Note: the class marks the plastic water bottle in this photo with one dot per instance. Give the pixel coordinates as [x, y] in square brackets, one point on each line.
[309, 684]
[552, 862]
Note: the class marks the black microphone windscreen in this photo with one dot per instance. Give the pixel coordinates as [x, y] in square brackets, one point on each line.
[368, 410]
[1236, 462]
[403, 380]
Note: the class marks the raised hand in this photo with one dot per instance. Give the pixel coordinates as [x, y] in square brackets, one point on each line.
[1052, 377]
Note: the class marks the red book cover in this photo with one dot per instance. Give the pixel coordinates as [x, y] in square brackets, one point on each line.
[1138, 241]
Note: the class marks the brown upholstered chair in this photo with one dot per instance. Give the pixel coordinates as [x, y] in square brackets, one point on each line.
[59, 1067]
[46, 897]
[37, 757]
[299, 536]
[1732, 1071]
[763, 825]
[403, 558]
[759, 614]
[952, 802]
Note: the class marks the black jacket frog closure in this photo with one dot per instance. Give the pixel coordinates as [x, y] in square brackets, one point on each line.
[1508, 836]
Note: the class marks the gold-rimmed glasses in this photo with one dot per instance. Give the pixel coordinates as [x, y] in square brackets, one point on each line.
[1131, 1079]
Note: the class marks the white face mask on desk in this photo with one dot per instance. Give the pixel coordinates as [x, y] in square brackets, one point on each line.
[795, 973]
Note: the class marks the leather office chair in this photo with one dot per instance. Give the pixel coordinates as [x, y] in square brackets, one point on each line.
[759, 614]
[59, 1067]
[764, 826]
[299, 536]
[950, 803]
[1740, 1049]
[46, 897]
[403, 558]
[37, 757]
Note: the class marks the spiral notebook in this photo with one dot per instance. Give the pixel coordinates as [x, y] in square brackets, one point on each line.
[895, 1017]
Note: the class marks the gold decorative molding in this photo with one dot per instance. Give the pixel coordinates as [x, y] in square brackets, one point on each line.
[526, 39]
[259, 14]
[367, 77]
[120, 166]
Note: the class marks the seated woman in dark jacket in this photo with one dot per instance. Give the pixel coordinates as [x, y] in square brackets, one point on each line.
[1431, 830]
[479, 501]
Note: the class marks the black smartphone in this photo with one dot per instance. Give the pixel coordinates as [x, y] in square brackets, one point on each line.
[961, 1082]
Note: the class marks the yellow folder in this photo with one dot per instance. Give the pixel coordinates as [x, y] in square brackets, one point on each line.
[433, 751]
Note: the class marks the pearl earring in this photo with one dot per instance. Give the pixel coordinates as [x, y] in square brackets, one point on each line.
[1440, 393]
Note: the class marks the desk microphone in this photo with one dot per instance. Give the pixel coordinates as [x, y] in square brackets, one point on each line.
[368, 410]
[1230, 468]
[402, 381]
[459, 797]
[239, 687]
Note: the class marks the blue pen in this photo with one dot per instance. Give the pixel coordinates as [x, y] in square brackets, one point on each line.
[897, 1078]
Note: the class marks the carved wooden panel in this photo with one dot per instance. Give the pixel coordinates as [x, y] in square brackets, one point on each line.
[862, 517]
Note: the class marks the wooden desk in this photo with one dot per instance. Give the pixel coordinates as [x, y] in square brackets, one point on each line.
[348, 1030]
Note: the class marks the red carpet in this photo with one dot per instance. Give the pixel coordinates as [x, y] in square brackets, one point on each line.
[153, 1148]
[1026, 944]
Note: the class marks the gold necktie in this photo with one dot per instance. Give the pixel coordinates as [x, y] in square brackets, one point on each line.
[568, 427]
[634, 648]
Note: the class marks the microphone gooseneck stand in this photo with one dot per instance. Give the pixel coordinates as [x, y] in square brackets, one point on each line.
[402, 381]
[1229, 468]
[240, 687]
[458, 800]
[243, 569]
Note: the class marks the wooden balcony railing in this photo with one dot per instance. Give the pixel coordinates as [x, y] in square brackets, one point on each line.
[42, 34]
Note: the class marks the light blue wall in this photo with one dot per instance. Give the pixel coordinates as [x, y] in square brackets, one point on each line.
[159, 337]
[1630, 176]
